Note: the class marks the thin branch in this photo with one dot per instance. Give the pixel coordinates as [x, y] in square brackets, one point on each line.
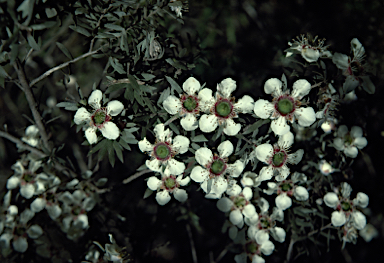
[65, 64]
[32, 104]
[136, 175]
[194, 255]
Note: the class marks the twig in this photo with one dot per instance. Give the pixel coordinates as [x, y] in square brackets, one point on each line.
[222, 254]
[32, 104]
[136, 175]
[171, 120]
[49, 72]
[98, 25]
[194, 255]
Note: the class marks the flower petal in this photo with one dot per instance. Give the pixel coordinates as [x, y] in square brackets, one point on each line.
[247, 192]
[180, 195]
[95, 99]
[310, 55]
[206, 99]
[263, 109]
[342, 131]
[175, 167]
[235, 169]
[226, 87]
[278, 234]
[20, 244]
[224, 204]
[32, 131]
[340, 60]
[114, 107]
[360, 143]
[191, 86]
[208, 123]
[160, 132]
[295, 158]
[90, 134]
[286, 140]
[257, 259]
[153, 183]
[279, 126]
[267, 248]
[266, 173]
[356, 132]
[27, 191]
[331, 200]
[189, 122]
[54, 211]
[225, 149]
[203, 156]
[305, 116]
[219, 186]
[338, 218]
[273, 86]
[235, 217]
[153, 165]
[249, 211]
[231, 128]
[145, 145]
[264, 152]
[110, 130]
[301, 193]
[172, 104]
[163, 197]
[82, 115]
[338, 143]
[282, 173]
[359, 220]
[38, 204]
[13, 182]
[34, 231]
[182, 181]
[245, 104]
[301, 88]
[283, 201]
[180, 144]
[351, 151]
[361, 200]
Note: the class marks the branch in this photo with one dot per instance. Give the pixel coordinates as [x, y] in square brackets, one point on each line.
[136, 175]
[32, 104]
[194, 255]
[49, 72]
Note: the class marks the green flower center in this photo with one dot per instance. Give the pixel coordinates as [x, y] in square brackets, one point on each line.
[28, 177]
[286, 187]
[223, 108]
[251, 248]
[50, 197]
[285, 106]
[345, 206]
[217, 167]
[76, 210]
[99, 117]
[170, 183]
[20, 231]
[239, 202]
[264, 223]
[190, 104]
[162, 151]
[278, 159]
[348, 139]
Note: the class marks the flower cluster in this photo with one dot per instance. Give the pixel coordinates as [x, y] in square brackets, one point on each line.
[350, 142]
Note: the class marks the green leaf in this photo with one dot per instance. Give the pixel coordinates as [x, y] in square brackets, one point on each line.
[254, 126]
[116, 65]
[165, 94]
[3, 73]
[199, 138]
[67, 105]
[134, 83]
[97, 147]
[64, 50]
[174, 85]
[138, 98]
[51, 12]
[114, 27]
[118, 151]
[32, 43]
[44, 25]
[80, 30]
[174, 128]
[148, 102]
[124, 144]
[128, 95]
[147, 76]
[115, 87]
[176, 64]
[147, 193]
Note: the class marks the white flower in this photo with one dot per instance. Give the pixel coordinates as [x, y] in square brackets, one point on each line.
[223, 109]
[284, 106]
[240, 206]
[168, 184]
[164, 150]
[308, 48]
[369, 232]
[350, 142]
[213, 169]
[277, 158]
[188, 105]
[32, 135]
[100, 118]
[326, 168]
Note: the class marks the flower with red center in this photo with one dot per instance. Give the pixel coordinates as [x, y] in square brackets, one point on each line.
[277, 157]
[308, 48]
[100, 118]
[188, 106]
[285, 106]
[254, 247]
[350, 142]
[211, 173]
[164, 150]
[223, 109]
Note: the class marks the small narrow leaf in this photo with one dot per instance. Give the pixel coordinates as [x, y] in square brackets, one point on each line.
[64, 50]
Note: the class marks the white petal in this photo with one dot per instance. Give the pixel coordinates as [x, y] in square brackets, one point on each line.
[90, 134]
[267, 248]
[226, 87]
[295, 157]
[32, 131]
[160, 132]
[357, 47]
[247, 192]
[338, 218]
[278, 234]
[351, 151]
[305, 116]
[38, 204]
[249, 211]
[361, 200]
[245, 104]
[310, 55]
[338, 143]
[206, 99]
[342, 131]
[180, 195]
[264, 152]
[198, 174]
[235, 169]
[110, 130]
[331, 200]
[241, 258]
[175, 167]
[153, 183]
[231, 128]
[82, 221]
[286, 140]
[282, 173]
[301, 88]
[153, 165]
[82, 115]
[360, 143]
[283, 201]
[273, 86]
[114, 107]
[13, 182]
[279, 126]
[233, 189]
[34, 231]
[95, 99]
[163, 197]
[351, 82]
[250, 221]
[235, 217]
[225, 149]
[301, 193]
[181, 144]
[54, 211]
[208, 123]
[203, 156]
[232, 232]
[27, 191]
[172, 104]
[266, 173]
[219, 186]
[257, 259]
[224, 204]
[367, 84]
[12, 210]
[356, 132]
[182, 181]
[340, 60]
[5, 239]
[191, 86]
[20, 244]
[263, 108]
[359, 220]
[261, 236]
[189, 122]
[145, 145]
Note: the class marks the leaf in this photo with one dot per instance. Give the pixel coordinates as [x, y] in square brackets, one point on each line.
[147, 193]
[147, 76]
[118, 151]
[149, 103]
[254, 126]
[116, 65]
[199, 138]
[124, 144]
[44, 25]
[174, 85]
[129, 93]
[97, 147]
[115, 87]
[32, 43]
[64, 50]
[51, 12]
[67, 105]
[3, 73]
[176, 64]
[165, 94]
[138, 98]
[134, 83]
[174, 128]
[114, 27]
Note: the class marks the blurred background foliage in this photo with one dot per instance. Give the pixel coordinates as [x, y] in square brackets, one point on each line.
[242, 39]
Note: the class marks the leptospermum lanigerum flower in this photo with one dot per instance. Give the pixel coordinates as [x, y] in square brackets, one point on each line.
[163, 151]
[188, 105]
[350, 142]
[168, 184]
[277, 157]
[214, 168]
[254, 247]
[99, 118]
[223, 109]
[346, 209]
[309, 50]
[285, 106]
